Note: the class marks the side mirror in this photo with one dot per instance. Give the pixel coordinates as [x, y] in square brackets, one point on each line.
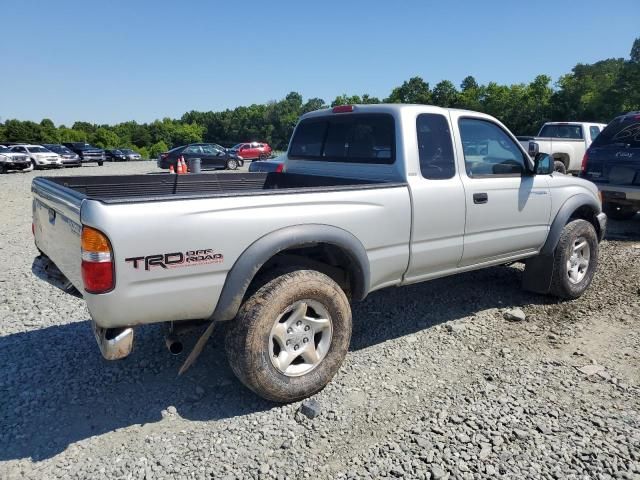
[534, 149]
[543, 164]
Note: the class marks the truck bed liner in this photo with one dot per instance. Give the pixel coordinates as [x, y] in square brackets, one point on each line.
[141, 188]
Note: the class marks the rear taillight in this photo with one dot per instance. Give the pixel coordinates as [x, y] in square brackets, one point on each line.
[97, 261]
[585, 159]
[280, 168]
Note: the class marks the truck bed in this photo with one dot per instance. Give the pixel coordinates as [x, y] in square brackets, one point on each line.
[162, 187]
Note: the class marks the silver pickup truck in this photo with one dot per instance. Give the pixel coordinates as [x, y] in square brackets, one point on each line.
[371, 196]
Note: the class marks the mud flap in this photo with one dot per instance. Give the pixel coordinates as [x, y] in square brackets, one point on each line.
[538, 274]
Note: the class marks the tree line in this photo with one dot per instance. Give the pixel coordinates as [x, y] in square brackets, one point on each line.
[590, 92]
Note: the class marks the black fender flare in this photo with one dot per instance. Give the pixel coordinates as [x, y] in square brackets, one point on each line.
[562, 217]
[262, 250]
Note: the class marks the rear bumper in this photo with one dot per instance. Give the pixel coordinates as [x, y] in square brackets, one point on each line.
[620, 194]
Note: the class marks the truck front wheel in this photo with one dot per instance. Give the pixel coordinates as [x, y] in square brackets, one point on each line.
[575, 260]
[291, 336]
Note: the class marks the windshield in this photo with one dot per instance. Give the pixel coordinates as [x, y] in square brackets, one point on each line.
[561, 131]
[38, 150]
[127, 151]
[623, 131]
[4, 149]
[237, 146]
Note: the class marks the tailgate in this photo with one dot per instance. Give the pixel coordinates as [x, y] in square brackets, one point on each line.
[56, 221]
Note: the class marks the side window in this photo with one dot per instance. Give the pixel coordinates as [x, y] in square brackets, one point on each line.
[209, 149]
[594, 132]
[193, 149]
[488, 150]
[434, 147]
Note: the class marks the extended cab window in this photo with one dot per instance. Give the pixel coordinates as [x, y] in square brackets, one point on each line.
[488, 150]
[356, 138]
[434, 147]
[594, 132]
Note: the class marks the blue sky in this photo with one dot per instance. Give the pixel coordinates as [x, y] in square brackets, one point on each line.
[107, 62]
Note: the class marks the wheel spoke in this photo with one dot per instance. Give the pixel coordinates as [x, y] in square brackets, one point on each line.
[579, 246]
[284, 359]
[310, 354]
[280, 334]
[573, 275]
[584, 263]
[298, 313]
[318, 324]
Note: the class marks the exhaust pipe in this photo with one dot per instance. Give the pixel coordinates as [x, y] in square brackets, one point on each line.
[114, 343]
[173, 344]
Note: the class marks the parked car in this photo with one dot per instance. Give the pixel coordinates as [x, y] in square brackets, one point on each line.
[115, 155]
[270, 165]
[390, 198]
[130, 154]
[40, 157]
[613, 164]
[87, 152]
[211, 155]
[252, 150]
[69, 158]
[10, 160]
[566, 142]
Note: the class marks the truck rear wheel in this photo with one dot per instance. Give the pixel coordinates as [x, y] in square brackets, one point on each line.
[559, 167]
[575, 260]
[291, 336]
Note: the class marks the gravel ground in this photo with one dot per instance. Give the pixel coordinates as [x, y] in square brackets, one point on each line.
[437, 385]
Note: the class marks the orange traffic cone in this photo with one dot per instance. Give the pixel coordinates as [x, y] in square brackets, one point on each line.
[171, 170]
[185, 167]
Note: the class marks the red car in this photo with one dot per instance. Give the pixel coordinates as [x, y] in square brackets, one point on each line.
[252, 150]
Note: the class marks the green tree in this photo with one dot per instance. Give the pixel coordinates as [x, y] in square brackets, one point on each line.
[157, 148]
[415, 90]
[445, 94]
[105, 138]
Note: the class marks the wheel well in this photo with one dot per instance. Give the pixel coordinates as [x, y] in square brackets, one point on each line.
[586, 212]
[326, 258]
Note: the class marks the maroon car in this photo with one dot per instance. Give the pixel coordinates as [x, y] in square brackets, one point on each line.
[252, 150]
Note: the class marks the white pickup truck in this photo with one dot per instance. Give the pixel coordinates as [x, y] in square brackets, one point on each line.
[565, 142]
[371, 196]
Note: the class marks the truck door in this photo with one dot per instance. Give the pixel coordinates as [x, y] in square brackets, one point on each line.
[508, 208]
[438, 199]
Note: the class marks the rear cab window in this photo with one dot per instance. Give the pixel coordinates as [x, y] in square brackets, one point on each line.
[562, 131]
[351, 138]
[621, 132]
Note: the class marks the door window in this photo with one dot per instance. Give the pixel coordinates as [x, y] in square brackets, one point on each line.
[488, 150]
[210, 150]
[193, 149]
[594, 132]
[434, 147]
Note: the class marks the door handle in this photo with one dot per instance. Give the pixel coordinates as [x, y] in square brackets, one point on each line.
[480, 198]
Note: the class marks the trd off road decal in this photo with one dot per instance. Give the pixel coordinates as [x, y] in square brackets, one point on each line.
[176, 259]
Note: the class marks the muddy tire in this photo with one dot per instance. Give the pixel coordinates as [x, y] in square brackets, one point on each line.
[291, 336]
[575, 260]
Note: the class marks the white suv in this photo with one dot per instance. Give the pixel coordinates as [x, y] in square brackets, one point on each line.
[40, 156]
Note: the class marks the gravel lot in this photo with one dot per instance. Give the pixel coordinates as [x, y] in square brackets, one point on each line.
[438, 384]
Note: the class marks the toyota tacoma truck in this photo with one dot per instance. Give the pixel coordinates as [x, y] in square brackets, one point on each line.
[565, 142]
[371, 196]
